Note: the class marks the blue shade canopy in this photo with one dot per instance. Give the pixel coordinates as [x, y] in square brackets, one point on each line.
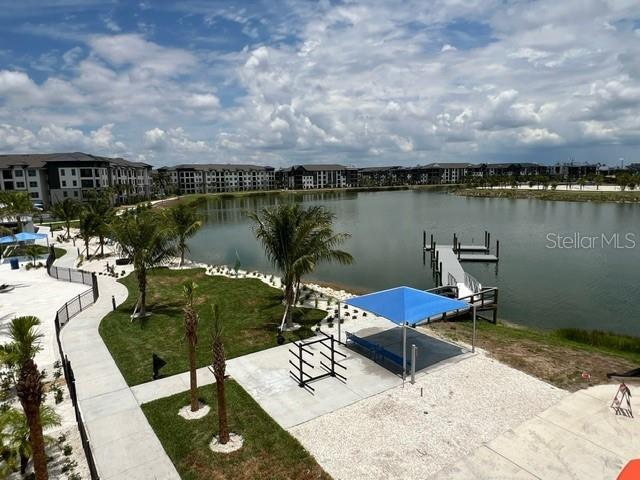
[22, 237]
[406, 304]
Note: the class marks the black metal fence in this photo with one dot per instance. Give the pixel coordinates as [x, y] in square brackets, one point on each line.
[74, 276]
[63, 315]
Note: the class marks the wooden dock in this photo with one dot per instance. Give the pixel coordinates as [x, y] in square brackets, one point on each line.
[451, 278]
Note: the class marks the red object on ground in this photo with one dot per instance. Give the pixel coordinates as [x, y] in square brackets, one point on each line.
[631, 471]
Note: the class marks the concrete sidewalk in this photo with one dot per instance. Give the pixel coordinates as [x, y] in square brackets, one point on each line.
[123, 443]
[579, 437]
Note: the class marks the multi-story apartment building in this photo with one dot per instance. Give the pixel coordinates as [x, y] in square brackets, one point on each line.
[304, 177]
[573, 171]
[213, 178]
[50, 178]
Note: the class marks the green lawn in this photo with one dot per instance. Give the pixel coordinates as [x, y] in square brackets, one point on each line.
[268, 452]
[250, 312]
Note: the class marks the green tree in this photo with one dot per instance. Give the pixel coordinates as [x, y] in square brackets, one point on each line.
[67, 211]
[598, 179]
[219, 366]
[582, 182]
[296, 240]
[185, 222]
[102, 210]
[142, 237]
[89, 225]
[191, 336]
[15, 435]
[16, 204]
[24, 343]
[33, 252]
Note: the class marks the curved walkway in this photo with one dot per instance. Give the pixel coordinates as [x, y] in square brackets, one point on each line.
[123, 443]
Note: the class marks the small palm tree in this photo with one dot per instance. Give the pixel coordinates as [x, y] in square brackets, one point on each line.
[191, 335]
[143, 238]
[15, 435]
[295, 240]
[67, 211]
[219, 365]
[185, 222]
[25, 343]
[17, 204]
[32, 252]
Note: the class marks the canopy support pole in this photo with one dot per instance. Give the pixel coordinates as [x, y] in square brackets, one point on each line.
[473, 339]
[404, 351]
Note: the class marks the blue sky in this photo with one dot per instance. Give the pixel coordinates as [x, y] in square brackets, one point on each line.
[360, 83]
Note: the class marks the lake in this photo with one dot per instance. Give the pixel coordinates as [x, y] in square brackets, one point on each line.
[596, 286]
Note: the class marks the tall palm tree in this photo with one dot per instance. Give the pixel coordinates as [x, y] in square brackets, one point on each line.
[219, 365]
[67, 211]
[15, 435]
[143, 238]
[89, 225]
[191, 335]
[296, 240]
[25, 343]
[100, 206]
[185, 222]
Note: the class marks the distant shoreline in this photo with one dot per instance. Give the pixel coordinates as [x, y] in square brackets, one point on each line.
[195, 197]
[552, 195]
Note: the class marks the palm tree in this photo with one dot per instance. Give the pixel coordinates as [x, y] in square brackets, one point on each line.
[191, 335]
[15, 435]
[67, 211]
[143, 238]
[598, 179]
[89, 225]
[32, 252]
[185, 222]
[102, 210]
[25, 343]
[295, 240]
[17, 204]
[219, 366]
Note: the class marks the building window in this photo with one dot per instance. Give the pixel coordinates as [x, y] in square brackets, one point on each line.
[64, 183]
[19, 173]
[85, 172]
[33, 184]
[62, 172]
[64, 194]
[19, 184]
[6, 174]
[75, 193]
[75, 183]
[87, 183]
[34, 194]
[31, 173]
[73, 172]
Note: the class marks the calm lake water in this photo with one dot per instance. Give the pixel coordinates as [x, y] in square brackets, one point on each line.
[592, 288]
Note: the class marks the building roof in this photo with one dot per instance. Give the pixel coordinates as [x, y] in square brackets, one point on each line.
[379, 169]
[39, 160]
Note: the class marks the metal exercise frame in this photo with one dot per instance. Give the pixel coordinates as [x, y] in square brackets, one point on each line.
[302, 378]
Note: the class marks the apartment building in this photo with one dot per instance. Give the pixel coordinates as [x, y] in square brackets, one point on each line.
[213, 178]
[50, 178]
[305, 177]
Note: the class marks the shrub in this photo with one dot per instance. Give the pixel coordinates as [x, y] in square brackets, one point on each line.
[67, 450]
[598, 338]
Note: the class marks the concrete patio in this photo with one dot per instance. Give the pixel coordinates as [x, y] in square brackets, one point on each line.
[579, 437]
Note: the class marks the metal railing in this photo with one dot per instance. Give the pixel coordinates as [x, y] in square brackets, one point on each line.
[471, 282]
[69, 310]
[72, 275]
[451, 280]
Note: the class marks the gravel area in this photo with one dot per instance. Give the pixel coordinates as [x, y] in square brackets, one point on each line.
[416, 430]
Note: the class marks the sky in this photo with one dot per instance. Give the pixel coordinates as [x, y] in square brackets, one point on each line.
[281, 82]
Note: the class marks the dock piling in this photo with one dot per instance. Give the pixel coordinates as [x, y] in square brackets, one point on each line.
[497, 248]
[424, 239]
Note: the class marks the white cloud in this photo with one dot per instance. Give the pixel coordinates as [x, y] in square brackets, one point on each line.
[395, 82]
